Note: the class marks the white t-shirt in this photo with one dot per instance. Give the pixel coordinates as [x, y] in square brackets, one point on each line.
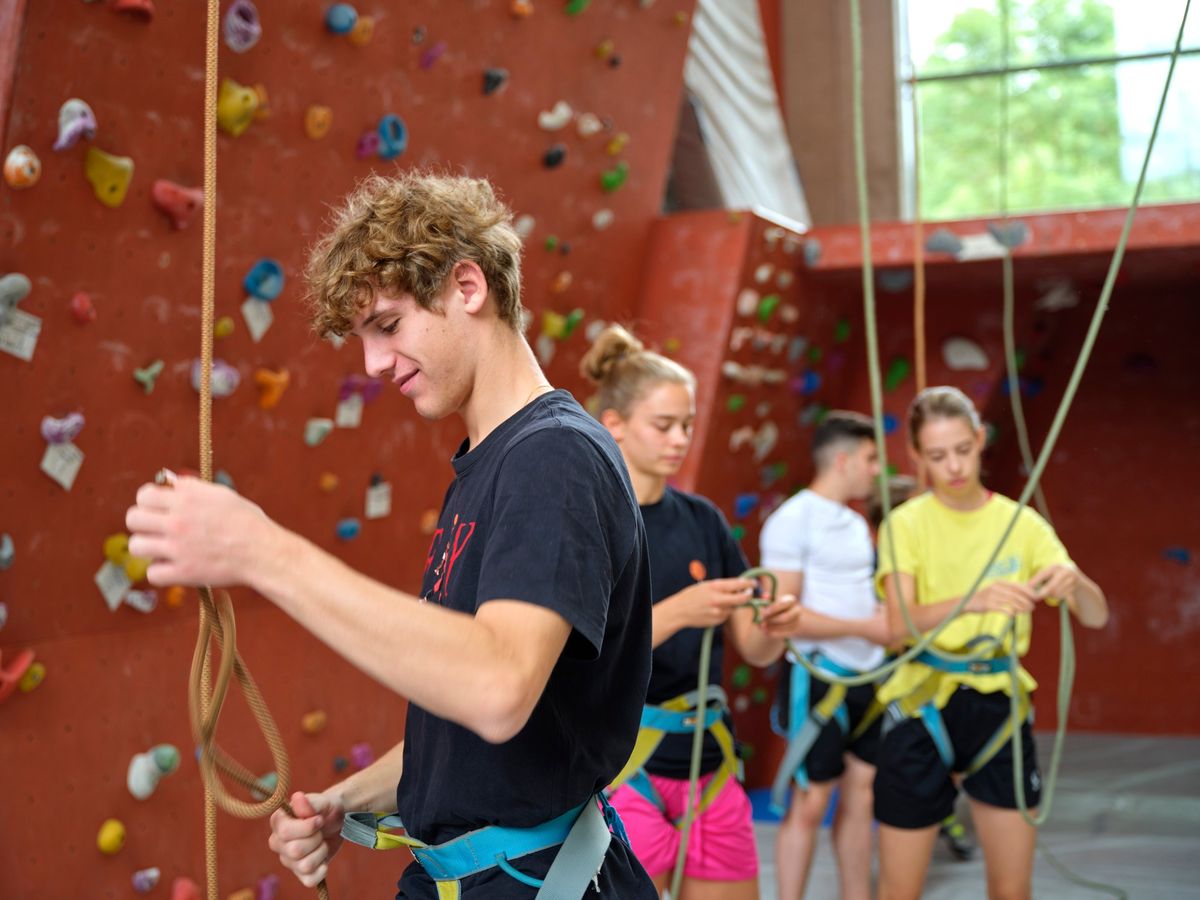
[831, 544]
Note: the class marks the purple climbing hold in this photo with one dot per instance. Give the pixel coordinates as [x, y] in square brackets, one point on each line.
[64, 430]
[433, 54]
[241, 26]
[361, 755]
[76, 122]
[368, 145]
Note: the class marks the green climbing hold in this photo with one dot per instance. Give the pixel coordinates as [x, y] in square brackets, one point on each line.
[841, 331]
[551, 242]
[735, 402]
[898, 370]
[574, 317]
[1021, 356]
[747, 751]
[759, 697]
[766, 306]
[575, 7]
[815, 353]
[992, 432]
[892, 470]
[741, 676]
[614, 178]
[738, 531]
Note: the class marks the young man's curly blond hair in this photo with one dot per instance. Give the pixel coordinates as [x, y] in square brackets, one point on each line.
[403, 235]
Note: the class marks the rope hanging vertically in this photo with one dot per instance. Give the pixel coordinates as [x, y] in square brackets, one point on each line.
[217, 622]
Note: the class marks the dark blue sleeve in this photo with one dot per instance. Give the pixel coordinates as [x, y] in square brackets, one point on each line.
[563, 527]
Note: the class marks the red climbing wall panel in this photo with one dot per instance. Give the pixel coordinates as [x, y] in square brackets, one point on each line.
[115, 680]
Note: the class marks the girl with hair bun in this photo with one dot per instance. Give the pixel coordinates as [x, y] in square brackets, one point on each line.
[647, 402]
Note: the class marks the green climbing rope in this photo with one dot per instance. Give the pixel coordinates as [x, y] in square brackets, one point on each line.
[693, 795]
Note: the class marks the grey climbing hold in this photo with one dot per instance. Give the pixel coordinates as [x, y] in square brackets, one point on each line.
[944, 241]
[812, 252]
[1010, 234]
[14, 288]
[894, 281]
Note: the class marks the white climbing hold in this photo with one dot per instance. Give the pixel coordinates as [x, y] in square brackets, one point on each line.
[962, 354]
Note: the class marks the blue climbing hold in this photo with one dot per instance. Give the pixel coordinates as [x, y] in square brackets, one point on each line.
[944, 241]
[808, 383]
[265, 279]
[890, 423]
[340, 18]
[393, 136]
[348, 529]
[744, 504]
[1181, 555]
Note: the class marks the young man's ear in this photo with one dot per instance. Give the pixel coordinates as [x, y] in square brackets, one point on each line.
[470, 283]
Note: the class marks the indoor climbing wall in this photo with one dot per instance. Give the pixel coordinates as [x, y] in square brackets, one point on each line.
[568, 108]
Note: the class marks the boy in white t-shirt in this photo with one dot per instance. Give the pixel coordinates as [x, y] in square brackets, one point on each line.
[821, 551]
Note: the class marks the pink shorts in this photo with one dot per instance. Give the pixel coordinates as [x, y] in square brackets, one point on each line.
[721, 843]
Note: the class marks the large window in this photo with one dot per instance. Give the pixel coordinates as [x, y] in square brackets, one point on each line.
[1078, 82]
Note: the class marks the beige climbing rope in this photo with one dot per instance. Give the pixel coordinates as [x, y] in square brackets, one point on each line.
[216, 614]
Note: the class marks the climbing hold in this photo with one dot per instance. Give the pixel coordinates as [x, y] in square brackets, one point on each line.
[361, 755]
[379, 498]
[264, 786]
[521, 9]
[943, 241]
[33, 676]
[116, 548]
[738, 532]
[183, 888]
[147, 769]
[243, 894]
[735, 402]
[348, 529]
[224, 478]
[271, 386]
[524, 225]
[575, 7]
[178, 203]
[602, 218]
[773, 472]
[554, 157]
[147, 376]
[317, 121]
[812, 252]
[174, 596]
[146, 880]
[340, 764]
[316, 430]
[894, 281]
[763, 273]
[22, 168]
[393, 137]
[418, 34]
[551, 243]
[111, 838]
[11, 674]
[225, 378]
[617, 144]
[766, 306]
[241, 26]
[890, 423]
[841, 331]
[740, 678]
[362, 32]
[7, 552]
[327, 481]
[109, 175]
[962, 354]
[1010, 234]
[614, 178]
[82, 308]
[898, 370]
[224, 327]
[588, 124]
[267, 887]
[144, 9]
[807, 383]
[562, 282]
[813, 414]
[493, 80]
[1181, 555]
[340, 18]
[135, 568]
[14, 287]
[64, 430]
[556, 118]
[680, 18]
[367, 145]
[744, 504]
[697, 570]
[759, 696]
[432, 54]
[605, 49]
[265, 280]
[747, 301]
[76, 122]
[236, 106]
[314, 722]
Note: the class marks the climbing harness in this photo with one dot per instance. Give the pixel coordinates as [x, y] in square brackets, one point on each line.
[584, 834]
[680, 715]
[805, 725]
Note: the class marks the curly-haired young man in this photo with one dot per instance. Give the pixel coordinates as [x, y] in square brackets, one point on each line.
[526, 656]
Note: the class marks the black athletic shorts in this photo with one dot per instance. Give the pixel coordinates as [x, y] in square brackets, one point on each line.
[913, 788]
[825, 760]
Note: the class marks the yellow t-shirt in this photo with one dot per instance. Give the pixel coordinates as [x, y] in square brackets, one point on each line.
[944, 550]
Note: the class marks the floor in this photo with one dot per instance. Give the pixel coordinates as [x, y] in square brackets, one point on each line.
[1126, 812]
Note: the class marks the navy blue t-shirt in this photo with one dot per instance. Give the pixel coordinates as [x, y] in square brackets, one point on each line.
[540, 511]
[682, 529]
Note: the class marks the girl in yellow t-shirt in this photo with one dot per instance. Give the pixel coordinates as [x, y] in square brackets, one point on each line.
[946, 722]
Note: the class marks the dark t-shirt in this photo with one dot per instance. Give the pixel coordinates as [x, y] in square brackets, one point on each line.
[541, 511]
[683, 528]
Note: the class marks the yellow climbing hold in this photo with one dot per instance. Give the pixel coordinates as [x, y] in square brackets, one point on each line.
[116, 548]
[135, 568]
[33, 676]
[111, 838]
[224, 327]
[110, 175]
[236, 106]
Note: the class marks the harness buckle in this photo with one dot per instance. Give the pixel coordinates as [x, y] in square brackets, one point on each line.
[980, 667]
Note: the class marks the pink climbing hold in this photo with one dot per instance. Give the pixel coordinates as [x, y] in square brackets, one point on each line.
[178, 203]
